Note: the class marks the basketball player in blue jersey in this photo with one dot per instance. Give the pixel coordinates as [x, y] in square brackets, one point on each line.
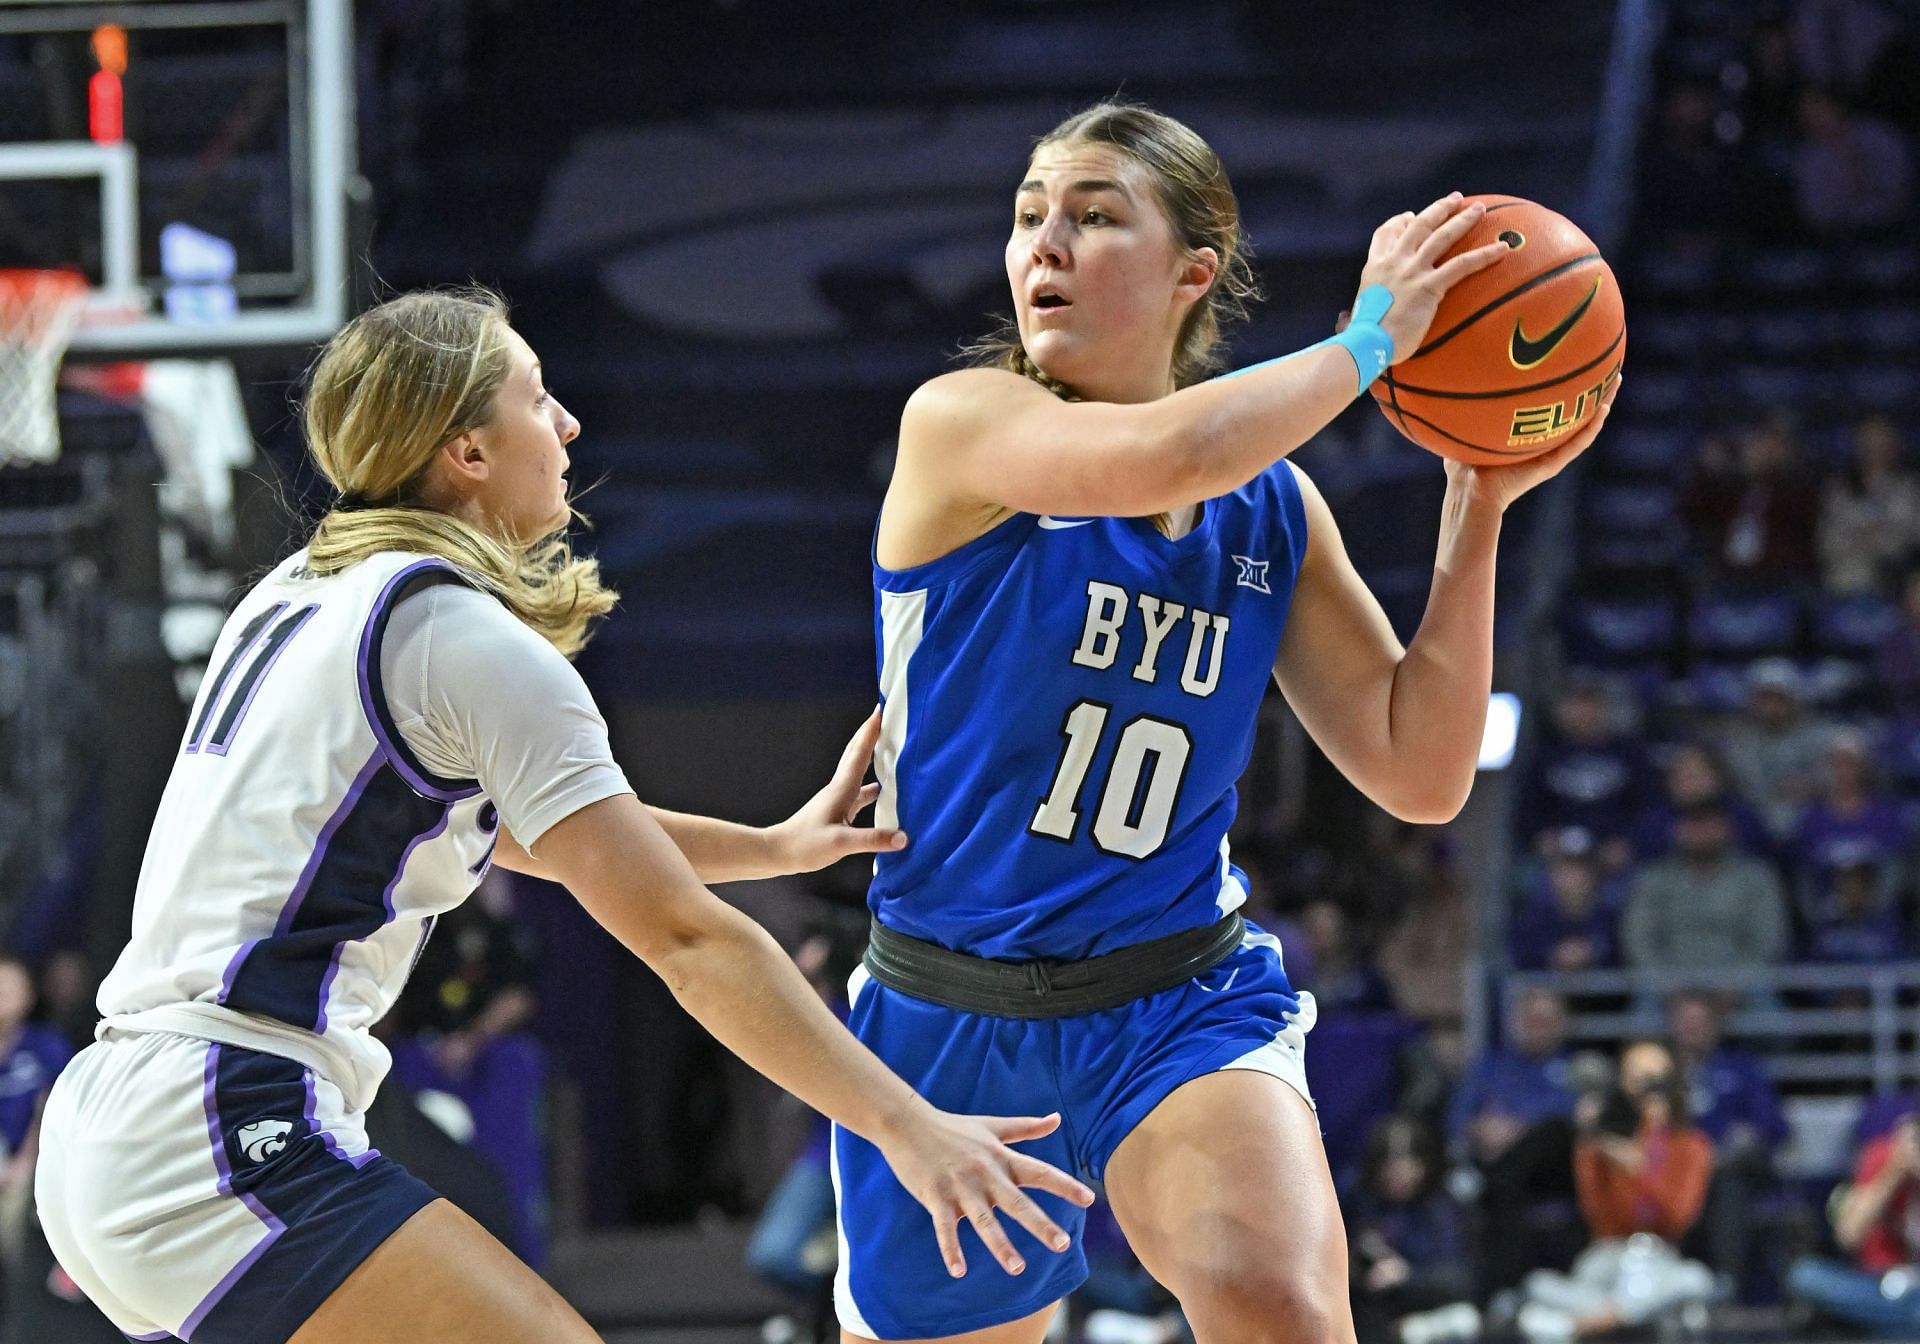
[387, 712]
[1089, 562]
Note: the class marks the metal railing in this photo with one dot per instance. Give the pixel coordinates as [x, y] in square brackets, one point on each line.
[1820, 1028]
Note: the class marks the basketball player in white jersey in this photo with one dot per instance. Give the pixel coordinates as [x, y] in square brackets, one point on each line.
[387, 712]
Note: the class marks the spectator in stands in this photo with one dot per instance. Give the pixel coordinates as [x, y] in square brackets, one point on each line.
[1511, 1120]
[1856, 922]
[1854, 830]
[467, 1007]
[1773, 84]
[1694, 773]
[1775, 752]
[1640, 1164]
[1839, 43]
[1573, 924]
[1870, 513]
[1585, 773]
[1752, 511]
[1896, 663]
[1852, 173]
[1641, 1169]
[1707, 905]
[1408, 1240]
[1874, 1220]
[31, 1056]
[1732, 1101]
[67, 985]
[1690, 178]
[1343, 978]
[1435, 934]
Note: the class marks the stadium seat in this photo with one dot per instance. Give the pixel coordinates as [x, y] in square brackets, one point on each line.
[1630, 508]
[1853, 626]
[1876, 269]
[1744, 626]
[1615, 556]
[1769, 385]
[1663, 392]
[1714, 688]
[1890, 331]
[1836, 683]
[1670, 335]
[1900, 754]
[1882, 387]
[1784, 270]
[1677, 272]
[1616, 633]
[1649, 448]
[1786, 335]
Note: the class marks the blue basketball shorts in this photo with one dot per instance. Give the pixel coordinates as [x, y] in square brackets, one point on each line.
[1102, 1071]
[210, 1192]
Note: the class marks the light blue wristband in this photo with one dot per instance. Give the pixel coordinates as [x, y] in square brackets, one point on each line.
[1365, 340]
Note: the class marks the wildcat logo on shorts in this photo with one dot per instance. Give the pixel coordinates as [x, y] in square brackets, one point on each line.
[263, 1138]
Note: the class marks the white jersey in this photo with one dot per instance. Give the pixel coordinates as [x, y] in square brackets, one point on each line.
[303, 847]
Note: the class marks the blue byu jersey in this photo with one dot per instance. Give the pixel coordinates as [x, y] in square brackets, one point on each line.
[1068, 704]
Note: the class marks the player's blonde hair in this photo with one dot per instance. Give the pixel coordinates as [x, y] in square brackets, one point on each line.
[1192, 185]
[388, 390]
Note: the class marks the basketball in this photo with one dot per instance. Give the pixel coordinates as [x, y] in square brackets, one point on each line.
[1520, 354]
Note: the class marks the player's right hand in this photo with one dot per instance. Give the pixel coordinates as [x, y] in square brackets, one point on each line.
[959, 1166]
[1405, 256]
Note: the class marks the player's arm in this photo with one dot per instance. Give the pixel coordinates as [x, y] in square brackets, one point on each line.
[1404, 723]
[506, 709]
[1864, 1202]
[730, 975]
[984, 437]
[821, 832]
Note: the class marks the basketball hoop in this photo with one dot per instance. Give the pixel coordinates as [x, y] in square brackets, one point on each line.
[39, 310]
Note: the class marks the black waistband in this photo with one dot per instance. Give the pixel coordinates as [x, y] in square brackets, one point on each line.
[1032, 989]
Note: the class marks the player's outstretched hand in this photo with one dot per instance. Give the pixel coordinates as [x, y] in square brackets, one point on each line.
[1405, 256]
[959, 1166]
[823, 830]
[1504, 484]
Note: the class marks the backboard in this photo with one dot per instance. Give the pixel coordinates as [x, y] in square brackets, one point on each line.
[193, 158]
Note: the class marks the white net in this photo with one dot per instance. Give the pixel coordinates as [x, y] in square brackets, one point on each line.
[38, 313]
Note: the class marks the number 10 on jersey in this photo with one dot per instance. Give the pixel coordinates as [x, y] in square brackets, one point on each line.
[1143, 782]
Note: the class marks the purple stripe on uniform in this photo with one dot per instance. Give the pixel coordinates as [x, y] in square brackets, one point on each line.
[416, 781]
[364, 1158]
[301, 887]
[226, 670]
[259, 679]
[386, 902]
[212, 1107]
[274, 1228]
[340, 814]
[233, 969]
[313, 1119]
[225, 1185]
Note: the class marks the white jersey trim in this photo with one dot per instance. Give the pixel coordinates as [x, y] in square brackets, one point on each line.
[903, 622]
[249, 1031]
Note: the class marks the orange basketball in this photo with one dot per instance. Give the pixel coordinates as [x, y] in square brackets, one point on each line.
[1519, 355]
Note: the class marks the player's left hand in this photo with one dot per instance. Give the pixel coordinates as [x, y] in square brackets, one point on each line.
[1500, 486]
[823, 831]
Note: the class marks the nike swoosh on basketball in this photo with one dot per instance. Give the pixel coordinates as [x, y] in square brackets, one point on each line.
[1525, 353]
[1056, 525]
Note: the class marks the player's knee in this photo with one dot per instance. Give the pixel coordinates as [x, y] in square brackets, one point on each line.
[1276, 1305]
